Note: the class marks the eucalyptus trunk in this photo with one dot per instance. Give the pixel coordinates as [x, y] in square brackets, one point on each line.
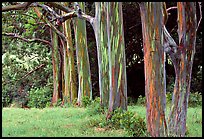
[83, 66]
[55, 64]
[116, 52]
[100, 29]
[154, 65]
[70, 89]
[187, 24]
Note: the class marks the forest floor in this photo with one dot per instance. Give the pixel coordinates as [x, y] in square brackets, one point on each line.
[75, 122]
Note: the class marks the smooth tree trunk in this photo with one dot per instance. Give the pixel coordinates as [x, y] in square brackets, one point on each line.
[154, 65]
[55, 64]
[187, 24]
[56, 61]
[117, 63]
[100, 30]
[70, 89]
[83, 65]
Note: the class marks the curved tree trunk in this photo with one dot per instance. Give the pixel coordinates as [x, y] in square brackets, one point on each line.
[84, 75]
[187, 24]
[154, 62]
[116, 52]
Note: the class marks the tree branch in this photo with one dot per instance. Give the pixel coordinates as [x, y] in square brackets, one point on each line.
[171, 8]
[49, 24]
[82, 15]
[22, 6]
[13, 35]
[199, 3]
[170, 46]
[59, 6]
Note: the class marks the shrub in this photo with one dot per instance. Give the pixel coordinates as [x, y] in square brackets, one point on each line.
[131, 101]
[168, 98]
[141, 100]
[195, 99]
[95, 107]
[129, 121]
[39, 97]
[6, 98]
[86, 101]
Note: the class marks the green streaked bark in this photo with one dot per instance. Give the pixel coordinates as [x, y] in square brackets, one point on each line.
[84, 75]
[55, 63]
[154, 62]
[187, 24]
[70, 91]
[100, 29]
[116, 52]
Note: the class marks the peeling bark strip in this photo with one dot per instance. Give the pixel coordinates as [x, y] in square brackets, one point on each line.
[116, 52]
[84, 75]
[155, 83]
[187, 24]
[100, 30]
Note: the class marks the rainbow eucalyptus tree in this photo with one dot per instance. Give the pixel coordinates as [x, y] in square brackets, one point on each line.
[70, 89]
[55, 64]
[116, 52]
[83, 65]
[154, 65]
[183, 62]
[109, 34]
[55, 57]
[100, 29]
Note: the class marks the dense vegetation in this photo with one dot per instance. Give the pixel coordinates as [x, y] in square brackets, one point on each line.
[50, 61]
[20, 57]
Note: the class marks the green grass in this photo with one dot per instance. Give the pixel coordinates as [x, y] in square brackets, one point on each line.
[74, 122]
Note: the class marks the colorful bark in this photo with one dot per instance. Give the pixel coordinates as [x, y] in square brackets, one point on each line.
[55, 63]
[187, 24]
[100, 29]
[154, 65]
[84, 75]
[116, 52]
[70, 90]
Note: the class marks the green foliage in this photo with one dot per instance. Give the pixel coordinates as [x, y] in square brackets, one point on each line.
[141, 100]
[59, 103]
[39, 97]
[131, 101]
[127, 120]
[86, 101]
[168, 98]
[195, 99]
[95, 107]
[6, 96]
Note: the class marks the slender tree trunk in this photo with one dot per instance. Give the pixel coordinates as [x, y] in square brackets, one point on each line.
[55, 63]
[187, 24]
[70, 89]
[100, 29]
[116, 52]
[84, 75]
[154, 62]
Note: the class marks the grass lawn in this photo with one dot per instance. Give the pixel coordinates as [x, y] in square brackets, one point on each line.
[74, 122]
